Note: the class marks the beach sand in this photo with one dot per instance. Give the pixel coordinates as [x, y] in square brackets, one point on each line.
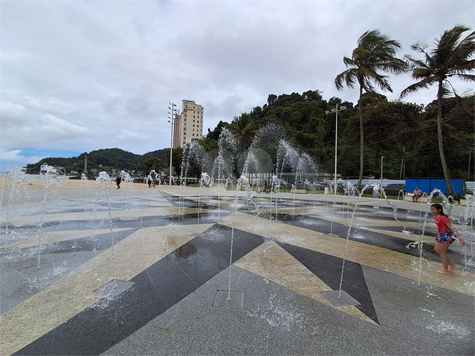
[32, 190]
[39, 184]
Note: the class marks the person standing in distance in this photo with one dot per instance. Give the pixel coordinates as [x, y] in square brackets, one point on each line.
[118, 180]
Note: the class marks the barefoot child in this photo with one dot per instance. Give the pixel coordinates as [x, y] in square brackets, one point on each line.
[447, 235]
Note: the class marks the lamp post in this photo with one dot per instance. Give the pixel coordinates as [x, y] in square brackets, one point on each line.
[336, 110]
[382, 158]
[469, 159]
[171, 120]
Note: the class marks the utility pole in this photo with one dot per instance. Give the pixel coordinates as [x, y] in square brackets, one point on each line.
[171, 120]
[336, 110]
[402, 162]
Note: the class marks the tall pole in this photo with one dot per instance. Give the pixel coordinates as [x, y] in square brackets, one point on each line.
[336, 147]
[172, 122]
[382, 158]
[336, 110]
[402, 162]
[469, 160]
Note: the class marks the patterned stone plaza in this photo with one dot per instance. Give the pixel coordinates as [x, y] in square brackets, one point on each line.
[202, 271]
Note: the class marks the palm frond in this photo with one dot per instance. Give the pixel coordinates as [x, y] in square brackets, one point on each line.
[415, 62]
[466, 77]
[394, 65]
[349, 62]
[460, 102]
[418, 73]
[449, 57]
[423, 84]
[375, 53]
[348, 77]
[468, 65]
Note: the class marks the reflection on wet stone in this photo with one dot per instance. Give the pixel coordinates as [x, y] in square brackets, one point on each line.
[185, 251]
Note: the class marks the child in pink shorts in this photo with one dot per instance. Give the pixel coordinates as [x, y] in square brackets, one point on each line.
[447, 235]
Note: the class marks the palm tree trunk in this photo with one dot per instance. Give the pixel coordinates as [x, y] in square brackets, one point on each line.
[443, 162]
[360, 178]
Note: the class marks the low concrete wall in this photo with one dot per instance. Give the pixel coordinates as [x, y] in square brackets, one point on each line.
[298, 191]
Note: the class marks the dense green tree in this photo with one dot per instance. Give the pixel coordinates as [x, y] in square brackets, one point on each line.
[451, 56]
[271, 99]
[151, 163]
[458, 129]
[177, 155]
[375, 53]
[392, 129]
[244, 129]
[214, 135]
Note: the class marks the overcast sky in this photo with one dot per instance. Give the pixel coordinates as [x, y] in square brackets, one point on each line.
[78, 76]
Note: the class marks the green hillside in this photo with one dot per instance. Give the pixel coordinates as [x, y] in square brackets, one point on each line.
[102, 160]
[404, 133]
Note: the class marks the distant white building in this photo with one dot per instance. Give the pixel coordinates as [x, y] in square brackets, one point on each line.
[188, 125]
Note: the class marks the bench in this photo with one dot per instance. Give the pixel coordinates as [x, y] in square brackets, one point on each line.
[298, 191]
[422, 199]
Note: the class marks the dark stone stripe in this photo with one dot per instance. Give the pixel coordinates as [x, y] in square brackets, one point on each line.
[368, 237]
[156, 289]
[328, 269]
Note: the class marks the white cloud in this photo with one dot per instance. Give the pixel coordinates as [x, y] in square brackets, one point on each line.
[12, 114]
[126, 136]
[84, 75]
[13, 155]
[60, 129]
[16, 158]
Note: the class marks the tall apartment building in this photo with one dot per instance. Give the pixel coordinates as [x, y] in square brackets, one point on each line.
[188, 125]
[177, 132]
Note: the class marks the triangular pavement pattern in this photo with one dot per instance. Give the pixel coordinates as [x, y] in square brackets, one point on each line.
[273, 262]
[76, 292]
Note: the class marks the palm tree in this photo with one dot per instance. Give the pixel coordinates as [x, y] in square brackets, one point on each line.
[450, 56]
[244, 129]
[375, 53]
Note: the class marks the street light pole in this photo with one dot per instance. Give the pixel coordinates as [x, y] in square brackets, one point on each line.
[336, 111]
[171, 120]
[382, 158]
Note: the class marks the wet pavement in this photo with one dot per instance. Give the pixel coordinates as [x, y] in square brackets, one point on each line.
[176, 271]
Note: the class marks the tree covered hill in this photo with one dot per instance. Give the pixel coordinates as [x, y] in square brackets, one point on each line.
[404, 133]
[109, 157]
